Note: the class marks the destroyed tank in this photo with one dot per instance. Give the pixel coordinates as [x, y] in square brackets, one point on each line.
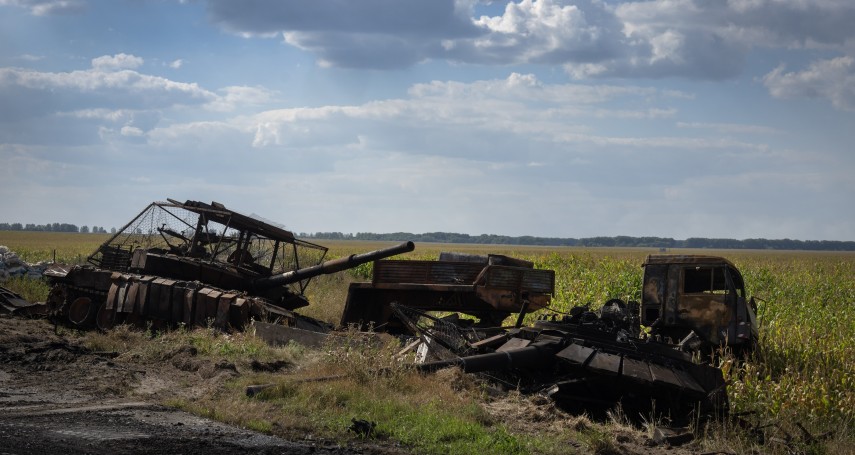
[589, 363]
[649, 357]
[197, 264]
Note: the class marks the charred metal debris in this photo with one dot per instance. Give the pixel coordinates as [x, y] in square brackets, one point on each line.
[200, 264]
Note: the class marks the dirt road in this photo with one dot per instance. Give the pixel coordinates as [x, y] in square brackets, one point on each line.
[58, 397]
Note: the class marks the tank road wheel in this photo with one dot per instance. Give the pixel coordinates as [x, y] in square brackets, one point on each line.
[81, 312]
[105, 319]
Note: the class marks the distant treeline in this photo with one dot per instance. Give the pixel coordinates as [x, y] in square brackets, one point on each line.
[619, 241]
[53, 227]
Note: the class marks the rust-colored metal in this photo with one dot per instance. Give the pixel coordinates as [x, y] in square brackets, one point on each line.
[593, 360]
[488, 287]
[196, 264]
[701, 296]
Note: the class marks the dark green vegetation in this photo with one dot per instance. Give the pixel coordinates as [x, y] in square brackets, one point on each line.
[802, 374]
[52, 227]
[618, 241]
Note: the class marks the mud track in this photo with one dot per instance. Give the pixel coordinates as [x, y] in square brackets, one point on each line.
[59, 397]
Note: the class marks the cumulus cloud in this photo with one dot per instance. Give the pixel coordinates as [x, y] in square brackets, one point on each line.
[111, 86]
[365, 34]
[441, 118]
[133, 131]
[832, 80]
[118, 61]
[543, 31]
[48, 7]
[233, 97]
[109, 100]
[591, 38]
[94, 89]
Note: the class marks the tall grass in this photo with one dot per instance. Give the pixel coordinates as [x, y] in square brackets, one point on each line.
[70, 248]
[803, 372]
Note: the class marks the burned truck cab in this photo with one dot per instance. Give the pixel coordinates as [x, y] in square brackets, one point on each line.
[697, 299]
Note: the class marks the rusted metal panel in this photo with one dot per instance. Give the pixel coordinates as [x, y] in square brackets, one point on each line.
[686, 259]
[177, 303]
[707, 314]
[132, 296]
[670, 307]
[110, 304]
[605, 363]
[154, 289]
[576, 354]
[122, 296]
[226, 301]
[87, 277]
[212, 304]
[189, 295]
[636, 369]
[201, 314]
[514, 343]
[688, 381]
[664, 376]
[12, 302]
[506, 288]
[163, 303]
[239, 312]
[426, 272]
[653, 292]
[143, 295]
[532, 280]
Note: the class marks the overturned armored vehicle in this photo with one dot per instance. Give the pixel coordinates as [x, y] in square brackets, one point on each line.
[198, 264]
[648, 357]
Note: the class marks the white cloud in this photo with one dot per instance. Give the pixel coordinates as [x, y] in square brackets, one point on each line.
[176, 64]
[543, 31]
[233, 97]
[833, 80]
[730, 128]
[365, 34]
[48, 7]
[101, 89]
[118, 61]
[131, 131]
[590, 38]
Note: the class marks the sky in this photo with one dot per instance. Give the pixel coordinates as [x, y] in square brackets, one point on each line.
[559, 118]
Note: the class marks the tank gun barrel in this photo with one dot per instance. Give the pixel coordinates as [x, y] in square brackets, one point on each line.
[335, 265]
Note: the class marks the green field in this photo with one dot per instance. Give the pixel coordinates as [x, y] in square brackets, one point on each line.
[802, 374]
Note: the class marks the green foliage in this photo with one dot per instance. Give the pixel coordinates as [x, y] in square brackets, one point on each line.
[802, 373]
[620, 241]
[70, 248]
[31, 289]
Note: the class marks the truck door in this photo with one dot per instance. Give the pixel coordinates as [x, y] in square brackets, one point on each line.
[703, 301]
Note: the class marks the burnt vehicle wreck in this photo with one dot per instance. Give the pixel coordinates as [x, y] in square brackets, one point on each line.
[647, 357]
[489, 288]
[197, 264]
[204, 265]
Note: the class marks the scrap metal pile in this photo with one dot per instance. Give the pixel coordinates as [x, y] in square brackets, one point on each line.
[202, 264]
[644, 356]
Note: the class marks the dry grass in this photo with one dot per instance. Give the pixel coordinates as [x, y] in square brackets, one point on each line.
[803, 374]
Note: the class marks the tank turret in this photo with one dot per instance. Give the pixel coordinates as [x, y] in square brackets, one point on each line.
[195, 263]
